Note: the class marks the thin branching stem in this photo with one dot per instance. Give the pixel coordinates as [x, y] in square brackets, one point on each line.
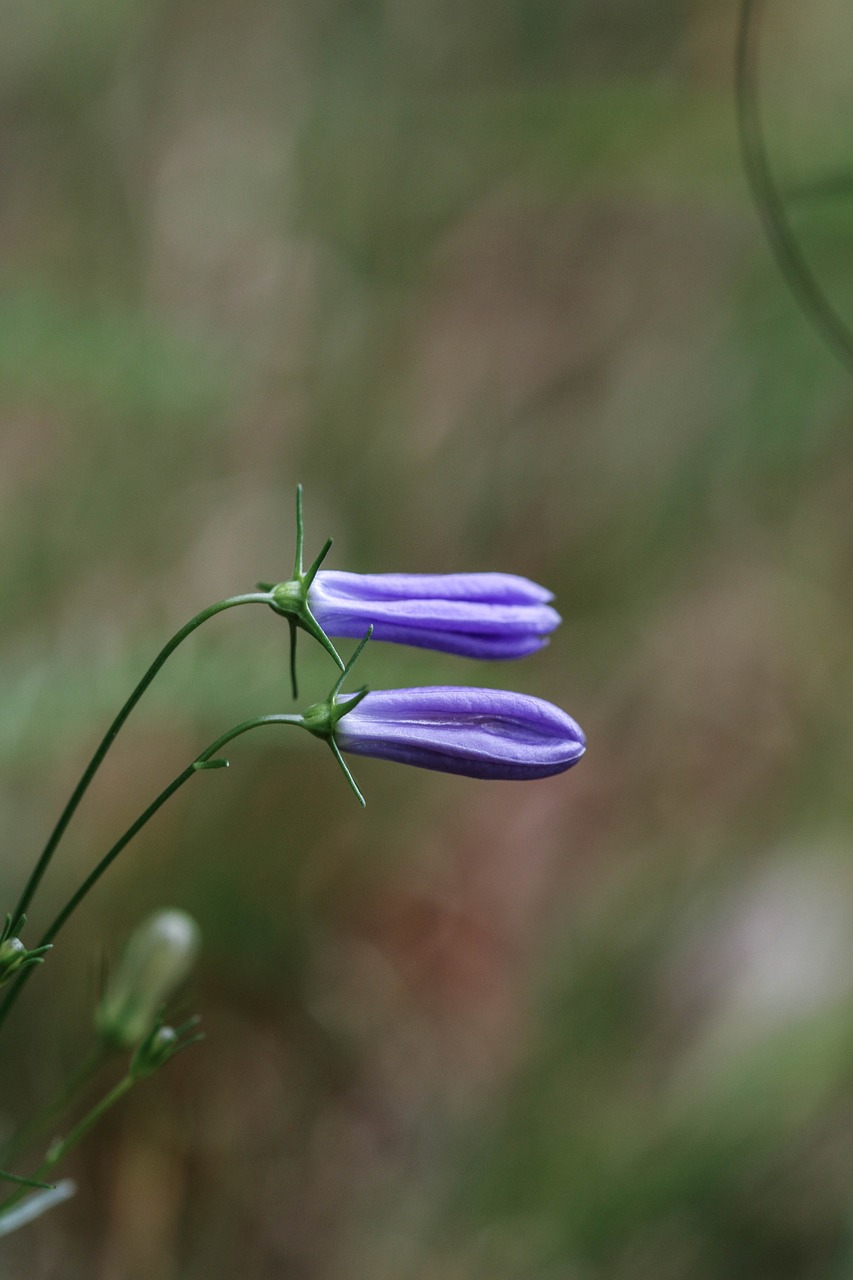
[206, 760]
[26, 1136]
[60, 1149]
[110, 736]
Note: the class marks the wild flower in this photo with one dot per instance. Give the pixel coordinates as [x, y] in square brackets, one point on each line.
[477, 615]
[480, 733]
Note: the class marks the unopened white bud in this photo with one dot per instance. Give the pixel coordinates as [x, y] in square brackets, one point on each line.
[157, 958]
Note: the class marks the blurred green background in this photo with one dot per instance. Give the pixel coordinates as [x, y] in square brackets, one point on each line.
[487, 279]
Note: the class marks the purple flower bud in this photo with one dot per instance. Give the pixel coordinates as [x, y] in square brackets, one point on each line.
[482, 733]
[479, 615]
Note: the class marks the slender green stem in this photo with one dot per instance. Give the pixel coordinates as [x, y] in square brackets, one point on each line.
[27, 1134]
[60, 1149]
[109, 737]
[205, 760]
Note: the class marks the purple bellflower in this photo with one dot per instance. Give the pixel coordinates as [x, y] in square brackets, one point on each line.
[478, 615]
[480, 733]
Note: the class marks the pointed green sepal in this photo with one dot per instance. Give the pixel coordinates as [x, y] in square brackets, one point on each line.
[300, 535]
[348, 668]
[15, 957]
[293, 683]
[290, 598]
[311, 573]
[322, 718]
[310, 624]
[161, 1045]
[336, 752]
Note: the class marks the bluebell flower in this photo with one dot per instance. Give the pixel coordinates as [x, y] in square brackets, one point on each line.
[481, 733]
[478, 615]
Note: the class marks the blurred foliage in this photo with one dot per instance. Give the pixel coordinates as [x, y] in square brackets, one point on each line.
[485, 277]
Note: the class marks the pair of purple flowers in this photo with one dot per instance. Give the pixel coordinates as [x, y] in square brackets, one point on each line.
[482, 733]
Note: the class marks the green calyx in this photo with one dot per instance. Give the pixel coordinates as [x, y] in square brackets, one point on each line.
[14, 955]
[322, 718]
[162, 1044]
[290, 598]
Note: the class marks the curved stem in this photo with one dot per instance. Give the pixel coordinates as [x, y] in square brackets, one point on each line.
[205, 760]
[109, 737]
[784, 244]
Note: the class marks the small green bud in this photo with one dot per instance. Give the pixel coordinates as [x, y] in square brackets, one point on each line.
[160, 1045]
[14, 956]
[157, 958]
[155, 1050]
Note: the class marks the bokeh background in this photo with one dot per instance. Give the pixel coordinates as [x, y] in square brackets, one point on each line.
[487, 279]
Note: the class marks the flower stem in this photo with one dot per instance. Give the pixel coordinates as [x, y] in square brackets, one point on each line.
[110, 736]
[206, 760]
[26, 1135]
[60, 1149]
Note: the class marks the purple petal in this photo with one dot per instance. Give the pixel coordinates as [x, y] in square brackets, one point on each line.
[480, 615]
[488, 588]
[482, 733]
[469, 646]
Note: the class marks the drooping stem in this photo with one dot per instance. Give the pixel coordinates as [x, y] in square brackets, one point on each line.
[110, 736]
[206, 760]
